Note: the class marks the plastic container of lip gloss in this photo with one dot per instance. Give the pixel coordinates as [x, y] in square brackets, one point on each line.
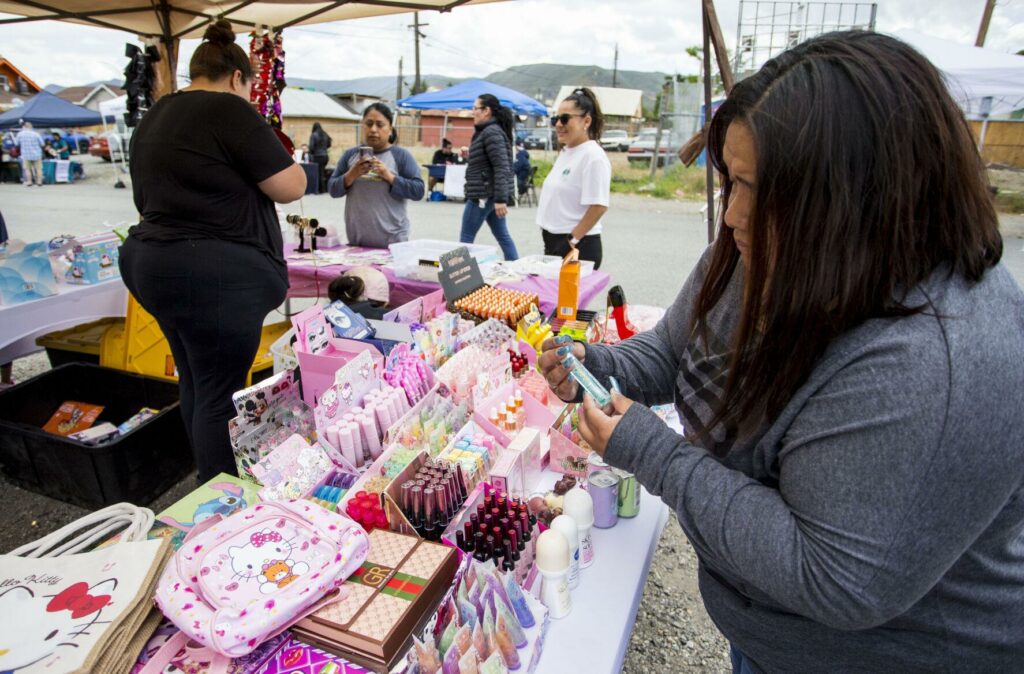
[586, 380]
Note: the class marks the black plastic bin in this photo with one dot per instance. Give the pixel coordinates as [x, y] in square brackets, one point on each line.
[136, 468]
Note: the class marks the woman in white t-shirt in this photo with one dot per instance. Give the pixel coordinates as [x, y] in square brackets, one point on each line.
[576, 193]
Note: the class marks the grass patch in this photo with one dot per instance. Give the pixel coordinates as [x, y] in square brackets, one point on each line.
[678, 182]
[1009, 202]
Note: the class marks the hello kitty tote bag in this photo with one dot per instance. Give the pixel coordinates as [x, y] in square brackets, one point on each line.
[244, 579]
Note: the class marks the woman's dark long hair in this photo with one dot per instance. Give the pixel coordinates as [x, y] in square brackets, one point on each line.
[502, 115]
[867, 182]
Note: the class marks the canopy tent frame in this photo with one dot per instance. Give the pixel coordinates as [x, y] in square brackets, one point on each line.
[166, 39]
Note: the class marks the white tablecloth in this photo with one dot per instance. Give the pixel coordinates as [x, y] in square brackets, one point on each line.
[455, 181]
[594, 637]
[20, 324]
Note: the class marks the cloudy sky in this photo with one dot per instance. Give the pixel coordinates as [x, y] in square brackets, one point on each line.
[474, 41]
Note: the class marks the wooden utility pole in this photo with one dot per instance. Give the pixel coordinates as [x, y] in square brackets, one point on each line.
[986, 17]
[398, 88]
[417, 86]
[615, 68]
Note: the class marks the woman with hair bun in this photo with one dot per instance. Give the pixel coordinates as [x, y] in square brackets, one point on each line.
[489, 183]
[577, 191]
[377, 183]
[206, 259]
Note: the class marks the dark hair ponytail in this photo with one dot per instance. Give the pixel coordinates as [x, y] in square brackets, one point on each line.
[585, 99]
[388, 115]
[218, 56]
[502, 115]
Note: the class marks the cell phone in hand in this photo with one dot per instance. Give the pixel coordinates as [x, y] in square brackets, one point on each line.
[365, 153]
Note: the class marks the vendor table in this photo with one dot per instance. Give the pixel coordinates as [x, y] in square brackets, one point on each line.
[61, 171]
[20, 324]
[594, 637]
[308, 279]
[312, 172]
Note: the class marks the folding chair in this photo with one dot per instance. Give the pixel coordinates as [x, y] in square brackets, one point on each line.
[530, 195]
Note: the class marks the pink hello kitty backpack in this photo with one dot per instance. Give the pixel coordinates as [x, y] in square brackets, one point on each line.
[246, 578]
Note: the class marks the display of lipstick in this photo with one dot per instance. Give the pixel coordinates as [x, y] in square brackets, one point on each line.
[503, 530]
[432, 497]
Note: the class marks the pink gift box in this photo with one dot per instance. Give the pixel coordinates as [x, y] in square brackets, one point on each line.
[318, 369]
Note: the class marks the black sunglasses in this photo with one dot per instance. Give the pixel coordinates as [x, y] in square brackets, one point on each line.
[565, 117]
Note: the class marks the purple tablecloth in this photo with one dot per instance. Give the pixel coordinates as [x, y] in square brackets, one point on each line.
[307, 280]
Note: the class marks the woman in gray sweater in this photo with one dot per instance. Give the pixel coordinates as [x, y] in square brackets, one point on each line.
[489, 184]
[848, 362]
[376, 185]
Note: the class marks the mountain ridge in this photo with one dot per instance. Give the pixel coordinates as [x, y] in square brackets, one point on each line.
[538, 80]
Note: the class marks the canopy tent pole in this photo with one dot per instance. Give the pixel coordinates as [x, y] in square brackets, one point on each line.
[710, 169]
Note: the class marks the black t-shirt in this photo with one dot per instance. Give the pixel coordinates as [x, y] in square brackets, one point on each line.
[442, 157]
[196, 159]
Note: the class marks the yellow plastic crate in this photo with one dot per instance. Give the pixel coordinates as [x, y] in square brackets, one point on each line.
[83, 339]
[140, 346]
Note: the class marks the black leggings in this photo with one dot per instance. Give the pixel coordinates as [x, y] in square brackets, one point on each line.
[589, 246]
[210, 298]
[321, 162]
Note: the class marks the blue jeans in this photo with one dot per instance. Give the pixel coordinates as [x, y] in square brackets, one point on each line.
[473, 217]
[740, 663]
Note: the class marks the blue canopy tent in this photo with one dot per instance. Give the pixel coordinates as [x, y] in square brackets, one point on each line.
[463, 95]
[45, 110]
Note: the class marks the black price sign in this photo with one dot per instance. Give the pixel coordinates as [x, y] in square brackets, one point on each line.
[460, 274]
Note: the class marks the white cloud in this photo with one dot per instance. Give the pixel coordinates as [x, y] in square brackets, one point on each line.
[474, 41]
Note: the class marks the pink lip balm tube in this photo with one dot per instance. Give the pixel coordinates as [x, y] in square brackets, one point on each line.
[369, 427]
[332, 436]
[348, 449]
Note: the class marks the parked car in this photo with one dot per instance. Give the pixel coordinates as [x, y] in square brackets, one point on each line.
[616, 140]
[108, 146]
[641, 150]
[538, 140]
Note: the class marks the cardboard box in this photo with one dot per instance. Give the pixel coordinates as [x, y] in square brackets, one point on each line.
[507, 473]
[87, 260]
[318, 369]
[391, 597]
[569, 286]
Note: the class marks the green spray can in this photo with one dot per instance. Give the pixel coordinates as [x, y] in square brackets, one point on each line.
[629, 494]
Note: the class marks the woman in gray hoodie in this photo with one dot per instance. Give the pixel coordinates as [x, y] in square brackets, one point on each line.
[848, 362]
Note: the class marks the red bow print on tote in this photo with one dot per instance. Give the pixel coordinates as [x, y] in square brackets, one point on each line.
[77, 599]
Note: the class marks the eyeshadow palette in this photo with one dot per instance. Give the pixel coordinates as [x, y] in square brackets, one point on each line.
[391, 597]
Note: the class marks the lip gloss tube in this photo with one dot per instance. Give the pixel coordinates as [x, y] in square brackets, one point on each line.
[417, 506]
[429, 513]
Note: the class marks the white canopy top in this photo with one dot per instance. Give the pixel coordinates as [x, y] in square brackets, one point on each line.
[974, 73]
[188, 18]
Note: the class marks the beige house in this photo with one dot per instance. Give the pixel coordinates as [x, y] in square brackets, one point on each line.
[91, 95]
[300, 108]
[622, 108]
[15, 86]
